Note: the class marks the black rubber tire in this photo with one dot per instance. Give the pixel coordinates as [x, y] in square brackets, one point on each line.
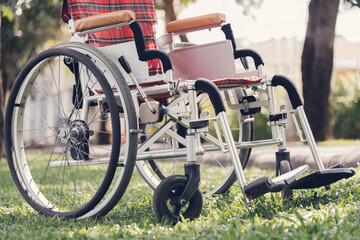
[284, 167]
[124, 173]
[10, 119]
[175, 184]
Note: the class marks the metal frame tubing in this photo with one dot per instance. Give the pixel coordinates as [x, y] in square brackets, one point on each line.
[192, 136]
[233, 153]
[277, 131]
[310, 138]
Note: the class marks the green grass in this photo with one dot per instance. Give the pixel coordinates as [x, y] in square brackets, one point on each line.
[340, 142]
[312, 214]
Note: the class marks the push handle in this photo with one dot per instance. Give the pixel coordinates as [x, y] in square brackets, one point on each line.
[146, 55]
[290, 88]
[241, 54]
[212, 90]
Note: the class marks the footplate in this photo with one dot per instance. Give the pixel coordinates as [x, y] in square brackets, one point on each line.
[322, 178]
[264, 185]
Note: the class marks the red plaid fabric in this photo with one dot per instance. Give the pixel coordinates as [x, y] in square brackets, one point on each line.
[222, 84]
[226, 83]
[145, 16]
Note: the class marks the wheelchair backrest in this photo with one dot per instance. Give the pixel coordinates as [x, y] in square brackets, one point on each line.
[128, 49]
[211, 61]
[145, 16]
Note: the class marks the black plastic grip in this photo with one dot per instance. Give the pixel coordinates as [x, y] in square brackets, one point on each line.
[146, 55]
[230, 36]
[258, 187]
[290, 88]
[138, 36]
[262, 186]
[153, 54]
[125, 64]
[249, 53]
[214, 94]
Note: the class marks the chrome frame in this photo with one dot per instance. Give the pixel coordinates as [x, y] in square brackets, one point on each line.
[192, 141]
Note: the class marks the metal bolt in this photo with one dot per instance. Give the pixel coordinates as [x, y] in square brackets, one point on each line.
[183, 202]
[74, 133]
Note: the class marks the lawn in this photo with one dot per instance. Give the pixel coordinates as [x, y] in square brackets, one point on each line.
[312, 214]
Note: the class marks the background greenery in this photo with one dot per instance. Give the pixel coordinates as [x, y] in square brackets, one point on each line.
[345, 106]
[345, 109]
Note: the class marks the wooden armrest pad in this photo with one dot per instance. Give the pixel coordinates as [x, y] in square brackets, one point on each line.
[104, 19]
[195, 22]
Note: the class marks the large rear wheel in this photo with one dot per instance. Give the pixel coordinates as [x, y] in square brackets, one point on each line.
[128, 122]
[60, 104]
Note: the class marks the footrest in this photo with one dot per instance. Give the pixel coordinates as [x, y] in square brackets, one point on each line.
[322, 178]
[264, 185]
[197, 124]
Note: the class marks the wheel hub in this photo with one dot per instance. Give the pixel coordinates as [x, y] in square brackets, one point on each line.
[63, 134]
[79, 131]
[75, 133]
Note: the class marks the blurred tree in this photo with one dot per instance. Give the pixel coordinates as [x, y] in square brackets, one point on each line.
[25, 26]
[353, 3]
[171, 8]
[317, 64]
[249, 4]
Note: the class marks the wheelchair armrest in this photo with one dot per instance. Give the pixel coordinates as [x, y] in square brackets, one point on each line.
[144, 54]
[243, 53]
[195, 23]
[105, 20]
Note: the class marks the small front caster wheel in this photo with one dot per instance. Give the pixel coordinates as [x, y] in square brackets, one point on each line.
[166, 200]
[284, 168]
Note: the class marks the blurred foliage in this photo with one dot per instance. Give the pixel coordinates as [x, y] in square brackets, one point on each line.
[345, 106]
[249, 5]
[26, 25]
[178, 4]
[262, 130]
[353, 3]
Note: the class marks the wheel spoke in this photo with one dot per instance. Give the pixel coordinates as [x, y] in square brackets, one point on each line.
[58, 162]
[216, 173]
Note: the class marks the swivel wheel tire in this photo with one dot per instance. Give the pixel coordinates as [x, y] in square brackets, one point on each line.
[284, 168]
[166, 200]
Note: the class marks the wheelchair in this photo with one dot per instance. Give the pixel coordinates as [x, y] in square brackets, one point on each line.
[79, 119]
